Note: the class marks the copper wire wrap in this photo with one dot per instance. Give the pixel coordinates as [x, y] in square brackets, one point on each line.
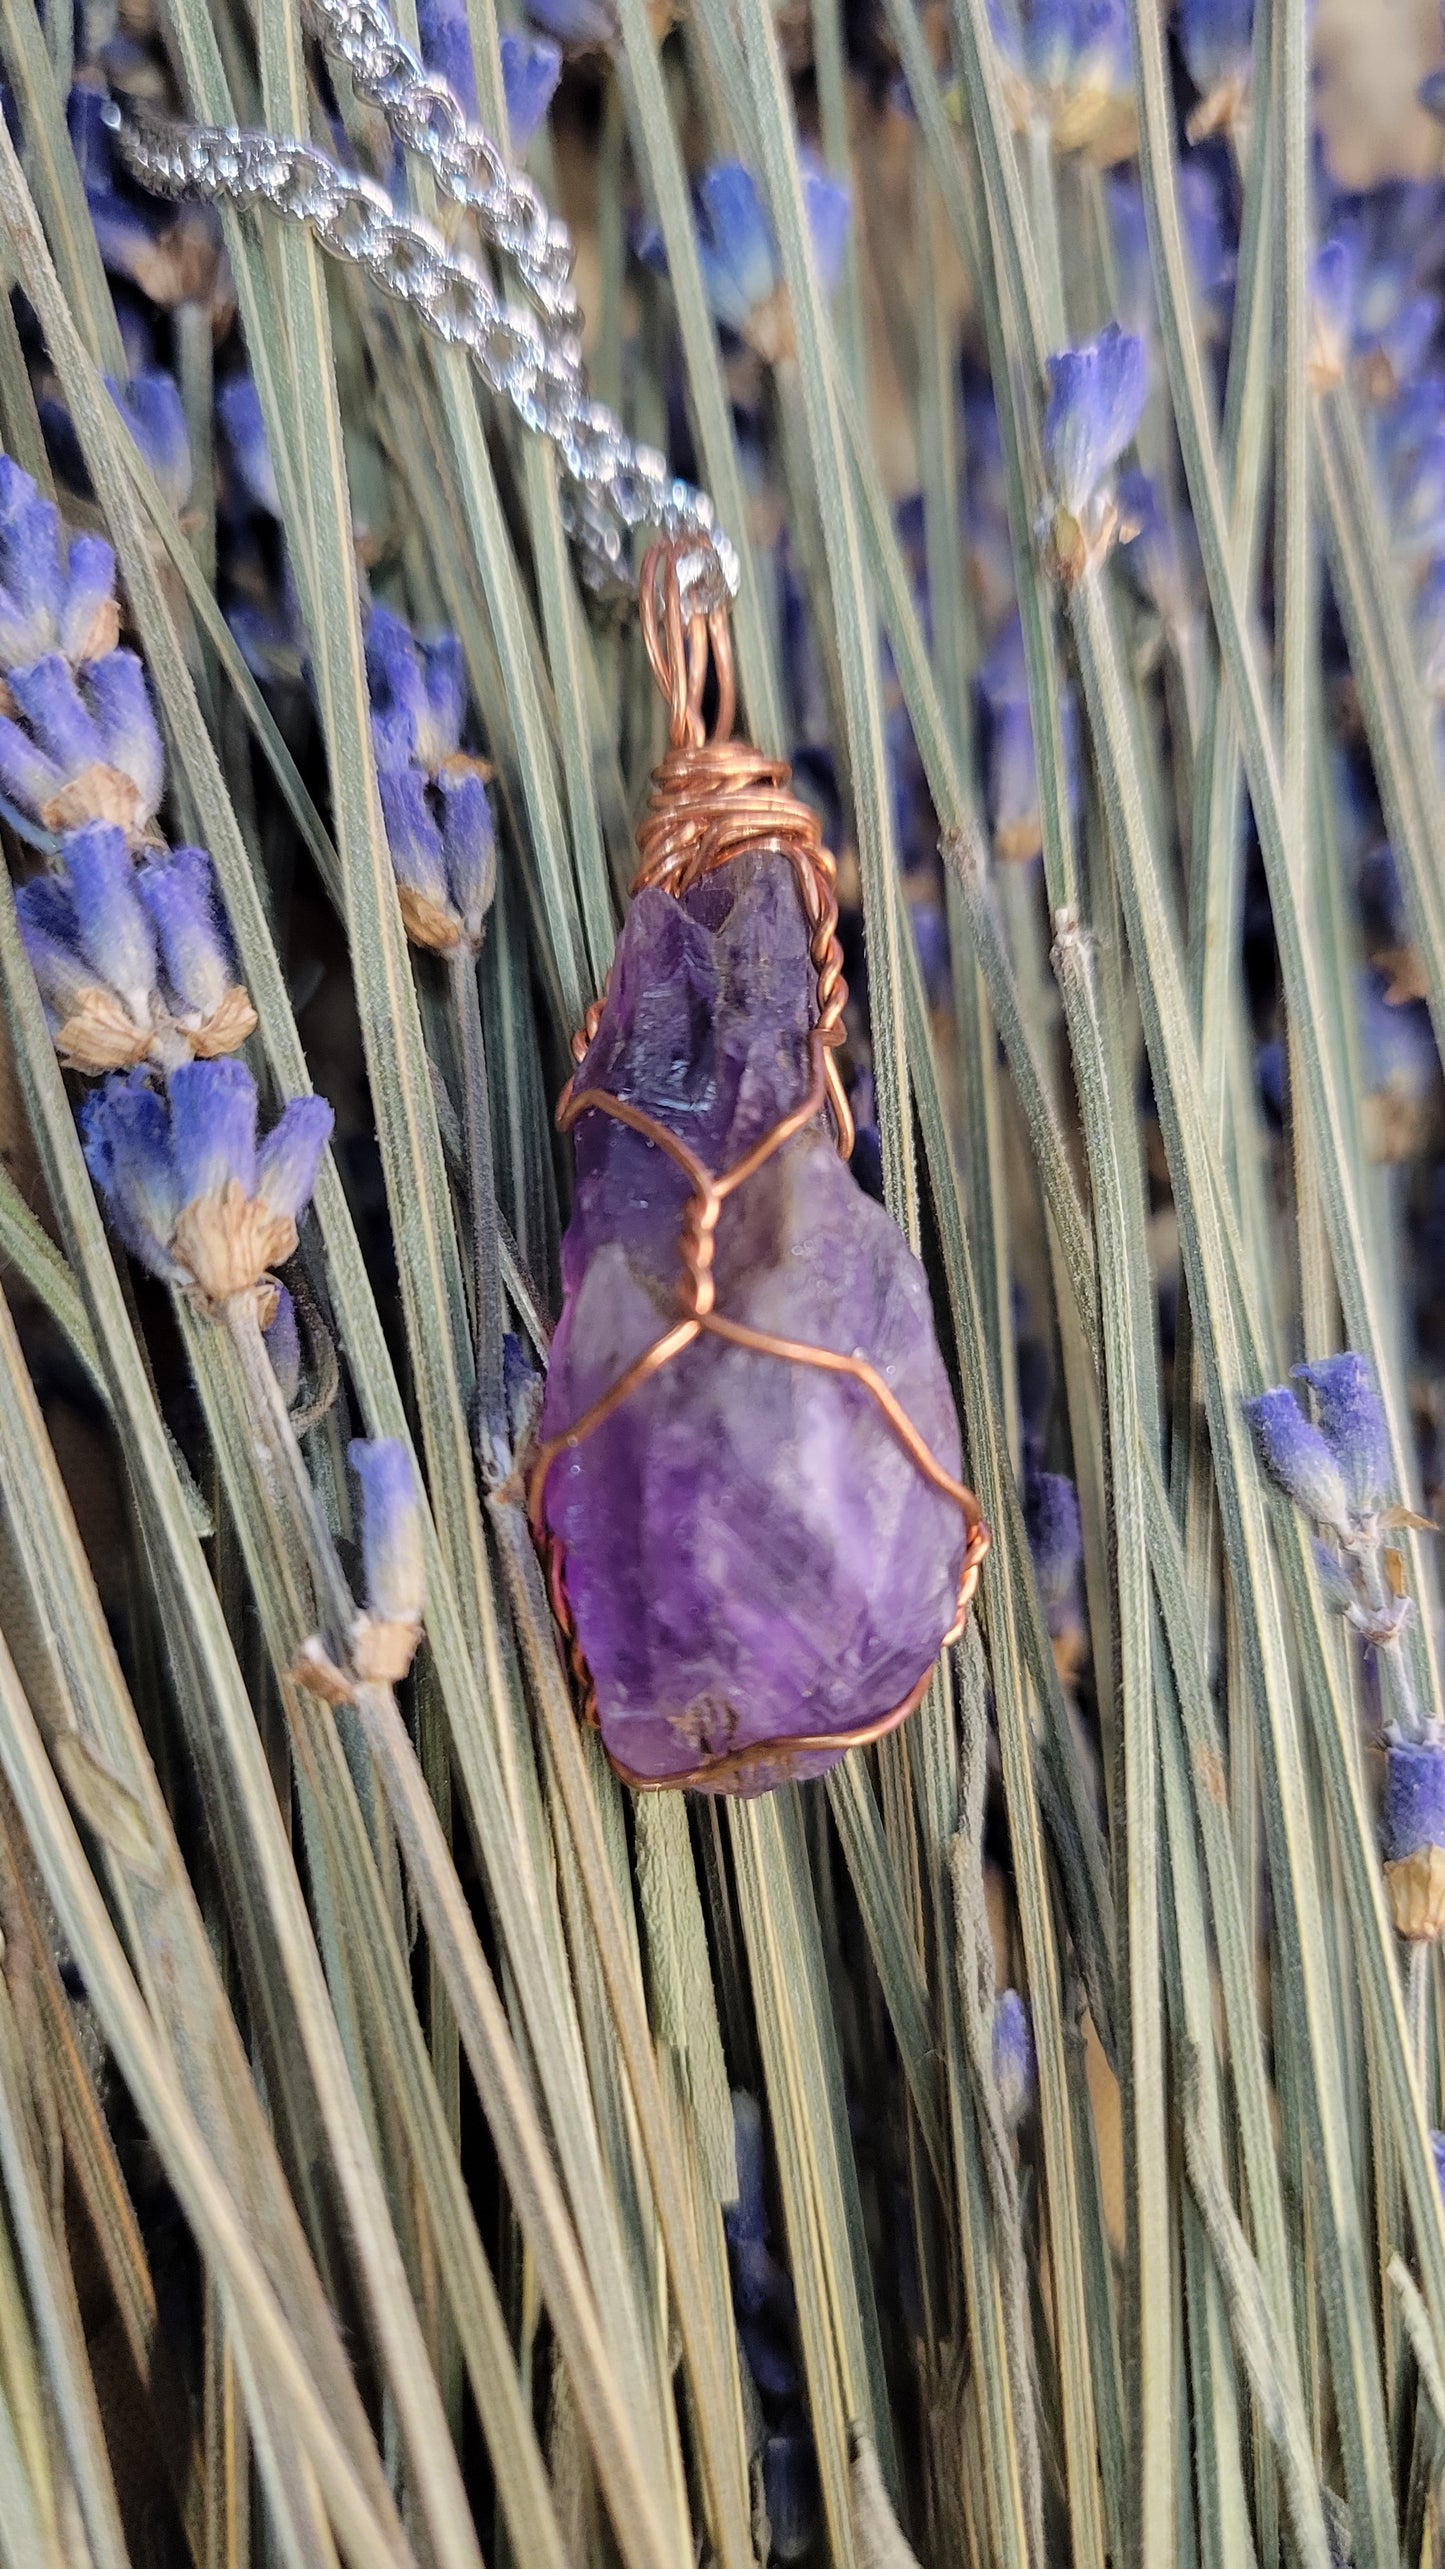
[714, 798]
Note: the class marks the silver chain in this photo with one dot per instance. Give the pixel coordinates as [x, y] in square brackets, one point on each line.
[530, 354]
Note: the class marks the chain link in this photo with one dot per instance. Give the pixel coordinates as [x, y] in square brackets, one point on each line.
[530, 354]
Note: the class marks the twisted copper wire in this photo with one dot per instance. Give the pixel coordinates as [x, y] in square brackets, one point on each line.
[714, 798]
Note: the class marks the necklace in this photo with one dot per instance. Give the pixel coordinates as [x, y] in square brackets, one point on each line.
[746, 1486]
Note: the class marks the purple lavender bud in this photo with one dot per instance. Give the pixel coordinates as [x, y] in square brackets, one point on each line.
[791, 2494]
[392, 659]
[1298, 1460]
[291, 1156]
[126, 1134]
[213, 1129]
[1013, 2057]
[1055, 1540]
[182, 1181]
[412, 835]
[749, 1549]
[1352, 1422]
[830, 213]
[115, 933]
[1414, 1808]
[1013, 782]
[1079, 45]
[442, 703]
[1437, 2147]
[391, 1529]
[735, 244]
[581, 24]
[418, 690]
[470, 847]
[769, 2354]
[446, 48]
[93, 751]
[27, 777]
[61, 722]
[179, 892]
[1217, 40]
[120, 701]
[49, 932]
[1334, 280]
[151, 408]
[283, 1346]
[31, 579]
[531, 69]
[737, 252]
[1208, 239]
[747, 2218]
[239, 406]
[89, 618]
[1010, 766]
[1096, 400]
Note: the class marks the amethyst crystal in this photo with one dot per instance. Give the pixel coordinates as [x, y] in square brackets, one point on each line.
[750, 1553]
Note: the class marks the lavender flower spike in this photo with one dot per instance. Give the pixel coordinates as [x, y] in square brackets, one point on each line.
[738, 255]
[1013, 2056]
[1096, 400]
[1217, 41]
[93, 953]
[1413, 1826]
[1352, 1423]
[207, 1003]
[385, 1636]
[1298, 1459]
[1056, 1540]
[129, 958]
[531, 69]
[126, 1134]
[433, 793]
[183, 1184]
[150, 405]
[86, 747]
[50, 599]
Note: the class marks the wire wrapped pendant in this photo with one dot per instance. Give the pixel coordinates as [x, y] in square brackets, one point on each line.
[746, 1487]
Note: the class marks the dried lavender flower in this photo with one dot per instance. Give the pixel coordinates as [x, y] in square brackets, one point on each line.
[1096, 400]
[433, 793]
[150, 405]
[385, 1636]
[130, 959]
[54, 596]
[1352, 1422]
[738, 254]
[1298, 1459]
[184, 1182]
[82, 745]
[1013, 2057]
[1413, 1829]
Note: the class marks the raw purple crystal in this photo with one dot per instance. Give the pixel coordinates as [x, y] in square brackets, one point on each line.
[750, 1553]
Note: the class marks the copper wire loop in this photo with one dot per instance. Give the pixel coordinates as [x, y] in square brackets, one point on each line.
[714, 798]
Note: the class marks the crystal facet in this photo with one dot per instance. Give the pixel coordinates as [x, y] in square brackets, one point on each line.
[751, 1554]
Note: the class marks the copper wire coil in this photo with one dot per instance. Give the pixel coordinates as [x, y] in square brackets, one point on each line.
[712, 799]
